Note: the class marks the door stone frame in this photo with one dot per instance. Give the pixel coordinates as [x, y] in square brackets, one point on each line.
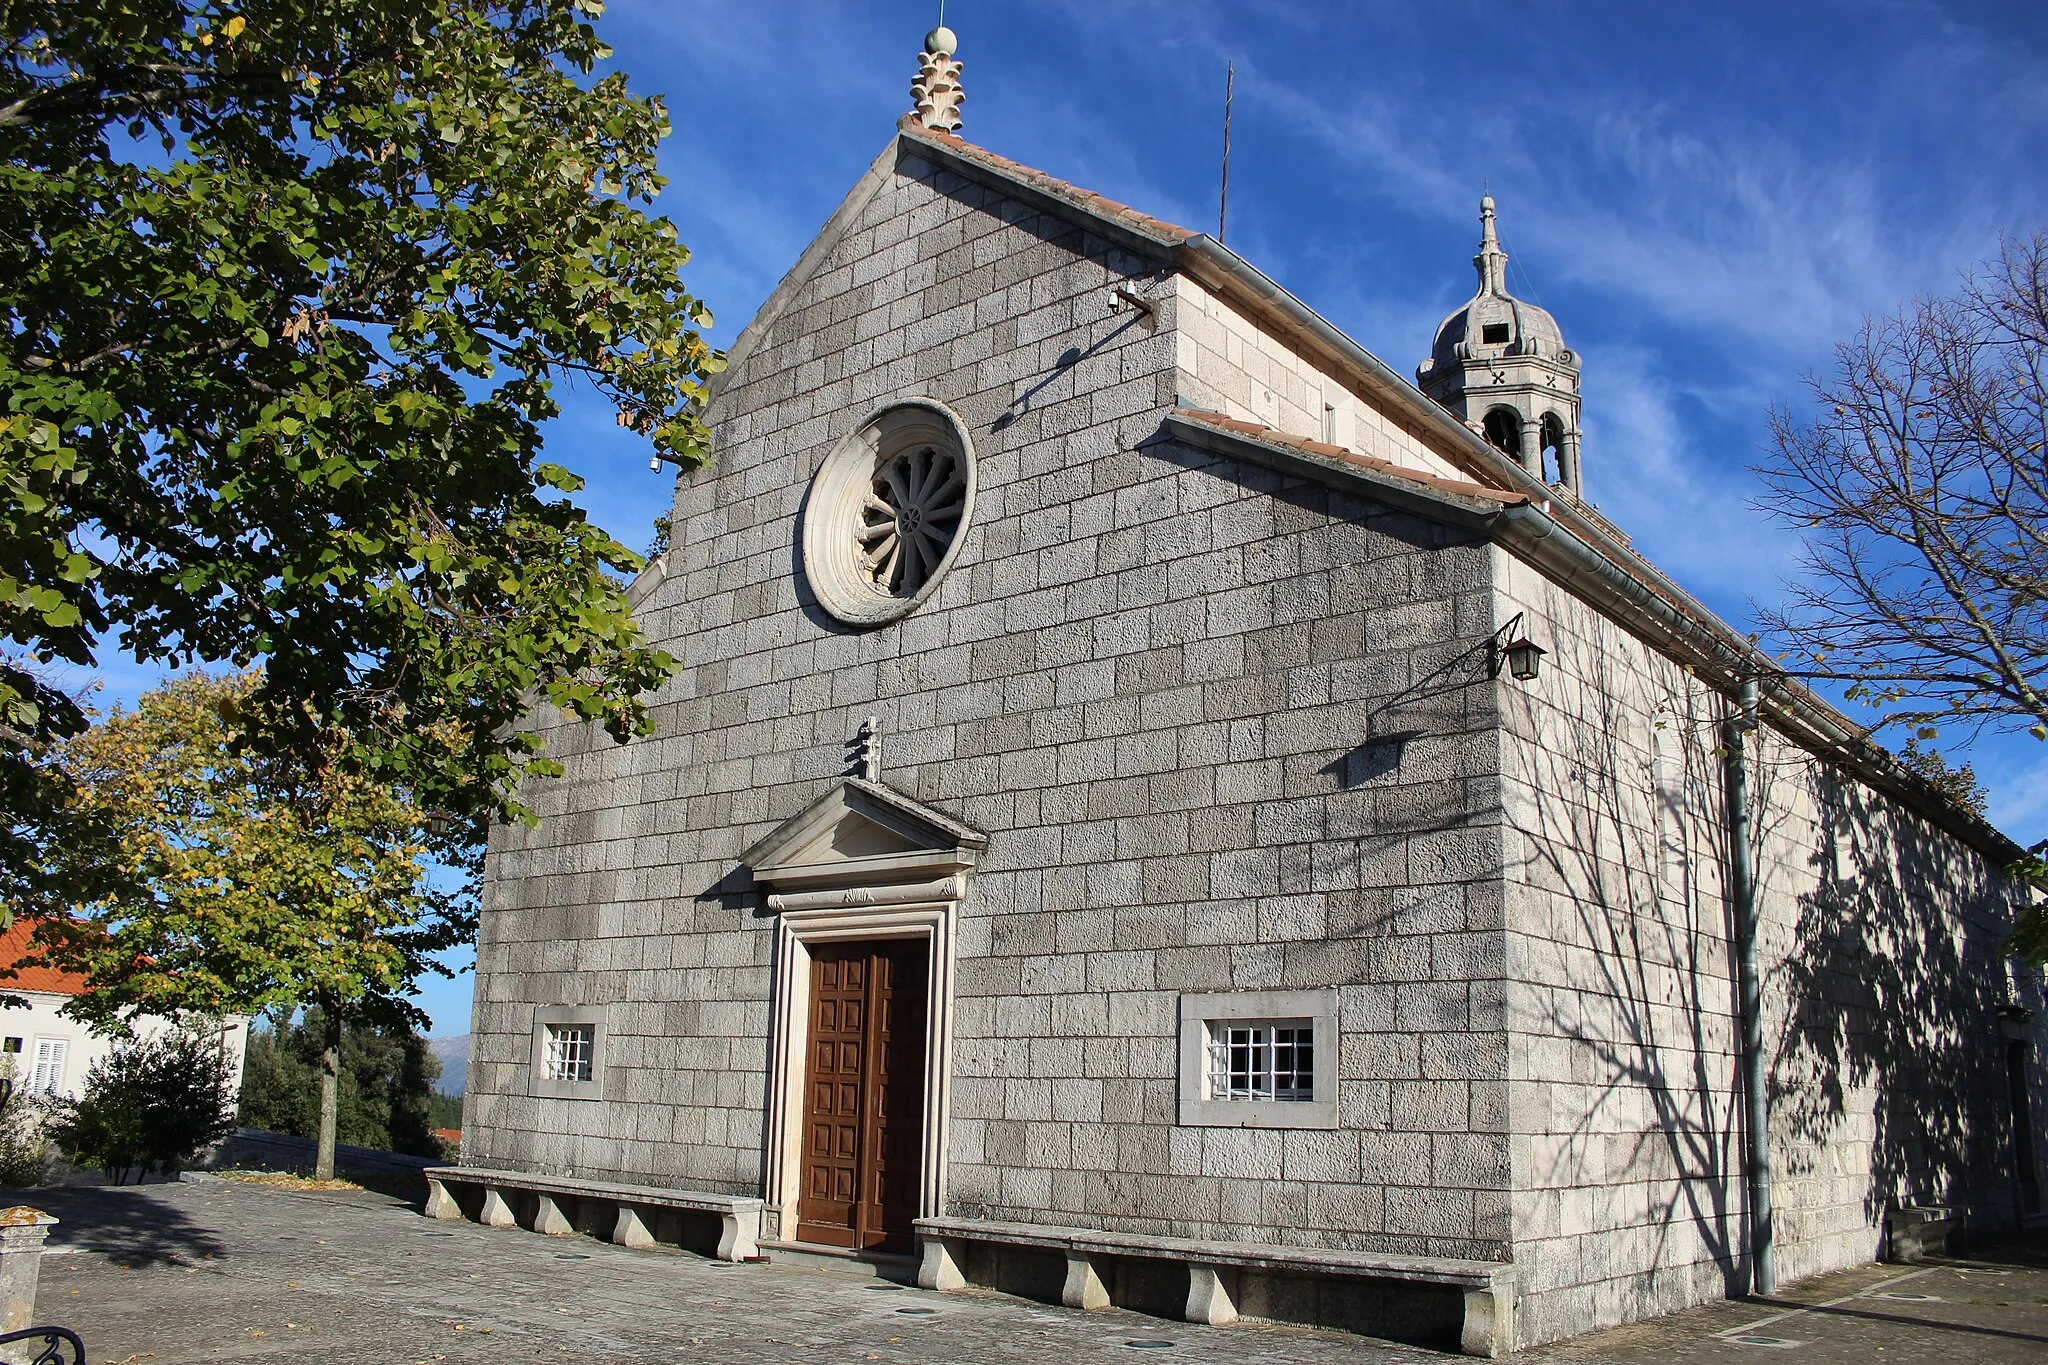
[796, 930]
[862, 861]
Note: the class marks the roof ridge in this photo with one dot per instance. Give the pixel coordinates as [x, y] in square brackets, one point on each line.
[1158, 229]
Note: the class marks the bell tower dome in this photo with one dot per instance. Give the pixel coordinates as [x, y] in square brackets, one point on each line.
[1502, 365]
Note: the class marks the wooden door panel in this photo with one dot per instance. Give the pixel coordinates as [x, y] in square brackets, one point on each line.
[828, 1212]
[895, 1110]
[865, 1095]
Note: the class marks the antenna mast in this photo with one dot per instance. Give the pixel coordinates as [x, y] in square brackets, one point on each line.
[1223, 200]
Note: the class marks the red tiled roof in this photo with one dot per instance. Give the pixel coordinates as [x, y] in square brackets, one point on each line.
[14, 946]
[1341, 455]
[1121, 214]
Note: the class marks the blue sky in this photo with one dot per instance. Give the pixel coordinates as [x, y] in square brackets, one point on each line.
[1707, 197]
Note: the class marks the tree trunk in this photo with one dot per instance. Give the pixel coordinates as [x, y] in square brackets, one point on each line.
[330, 1090]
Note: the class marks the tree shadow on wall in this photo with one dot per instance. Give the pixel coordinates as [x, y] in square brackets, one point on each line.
[1889, 990]
[1614, 832]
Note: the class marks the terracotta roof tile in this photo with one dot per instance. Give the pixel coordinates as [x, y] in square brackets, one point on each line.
[1121, 214]
[1341, 455]
[14, 946]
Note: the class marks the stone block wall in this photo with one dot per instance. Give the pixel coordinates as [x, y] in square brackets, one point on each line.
[1223, 733]
[1880, 977]
[1229, 364]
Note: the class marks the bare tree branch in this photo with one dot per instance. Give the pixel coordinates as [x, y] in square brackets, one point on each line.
[1922, 484]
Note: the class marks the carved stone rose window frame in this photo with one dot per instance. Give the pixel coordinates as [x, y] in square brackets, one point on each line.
[887, 512]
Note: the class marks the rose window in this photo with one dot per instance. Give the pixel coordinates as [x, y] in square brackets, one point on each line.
[885, 513]
[908, 520]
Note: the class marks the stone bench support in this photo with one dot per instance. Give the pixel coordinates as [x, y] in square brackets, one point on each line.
[550, 1221]
[630, 1230]
[1915, 1232]
[1084, 1287]
[739, 1215]
[1214, 1267]
[497, 1212]
[1208, 1296]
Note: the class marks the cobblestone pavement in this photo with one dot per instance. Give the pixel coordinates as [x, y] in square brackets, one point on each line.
[215, 1270]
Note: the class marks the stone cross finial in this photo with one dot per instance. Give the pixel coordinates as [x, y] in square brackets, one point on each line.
[1491, 262]
[936, 94]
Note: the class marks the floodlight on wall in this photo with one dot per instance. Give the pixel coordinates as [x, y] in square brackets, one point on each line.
[1513, 647]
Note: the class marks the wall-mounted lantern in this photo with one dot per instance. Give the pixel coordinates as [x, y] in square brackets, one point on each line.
[1523, 656]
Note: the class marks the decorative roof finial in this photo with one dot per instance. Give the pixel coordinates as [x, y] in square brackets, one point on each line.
[936, 95]
[1491, 262]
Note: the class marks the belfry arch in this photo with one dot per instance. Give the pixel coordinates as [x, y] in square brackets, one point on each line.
[1500, 363]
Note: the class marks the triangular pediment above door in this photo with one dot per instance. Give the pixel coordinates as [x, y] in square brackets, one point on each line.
[863, 833]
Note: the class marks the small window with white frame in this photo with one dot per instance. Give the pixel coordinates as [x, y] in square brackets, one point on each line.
[1259, 1059]
[1262, 1059]
[47, 1076]
[571, 1050]
[568, 1051]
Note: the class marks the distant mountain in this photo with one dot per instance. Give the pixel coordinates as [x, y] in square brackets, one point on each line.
[454, 1055]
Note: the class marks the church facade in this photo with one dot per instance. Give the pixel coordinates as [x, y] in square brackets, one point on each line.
[1144, 773]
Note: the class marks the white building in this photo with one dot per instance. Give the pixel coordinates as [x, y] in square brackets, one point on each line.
[44, 1051]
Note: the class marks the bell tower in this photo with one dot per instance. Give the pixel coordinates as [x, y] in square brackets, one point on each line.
[1502, 365]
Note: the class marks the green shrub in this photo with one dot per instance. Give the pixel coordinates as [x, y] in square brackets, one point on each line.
[148, 1107]
[24, 1145]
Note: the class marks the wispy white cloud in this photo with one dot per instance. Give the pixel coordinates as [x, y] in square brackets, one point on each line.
[2014, 769]
[1684, 506]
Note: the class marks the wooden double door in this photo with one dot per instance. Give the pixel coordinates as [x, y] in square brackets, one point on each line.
[864, 1095]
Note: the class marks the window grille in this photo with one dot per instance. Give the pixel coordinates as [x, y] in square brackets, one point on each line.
[48, 1076]
[572, 1051]
[1262, 1060]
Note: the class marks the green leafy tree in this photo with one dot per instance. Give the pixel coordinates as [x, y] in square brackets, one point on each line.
[385, 1097]
[244, 881]
[148, 1106]
[289, 287]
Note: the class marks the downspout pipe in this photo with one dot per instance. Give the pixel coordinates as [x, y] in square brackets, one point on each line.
[1742, 888]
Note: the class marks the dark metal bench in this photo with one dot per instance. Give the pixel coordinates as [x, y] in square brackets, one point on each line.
[56, 1342]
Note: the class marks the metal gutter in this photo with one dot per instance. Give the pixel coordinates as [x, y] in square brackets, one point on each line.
[1763, 1260]
[1697, 638]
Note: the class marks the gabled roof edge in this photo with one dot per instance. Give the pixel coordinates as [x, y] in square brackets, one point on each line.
[771, 310]
[1674, 623]
[1625, 575]
[1468, 506]
[1125, 225]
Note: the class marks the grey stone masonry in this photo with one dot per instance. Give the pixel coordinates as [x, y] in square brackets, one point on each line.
[1196, 737]
[1882, 983]
[1225, 731]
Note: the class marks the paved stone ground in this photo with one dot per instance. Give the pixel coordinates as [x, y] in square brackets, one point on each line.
[1991, 1308]
[214, 1270]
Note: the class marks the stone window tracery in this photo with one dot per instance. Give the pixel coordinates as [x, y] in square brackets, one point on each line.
[910, 517]
[887, 512]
